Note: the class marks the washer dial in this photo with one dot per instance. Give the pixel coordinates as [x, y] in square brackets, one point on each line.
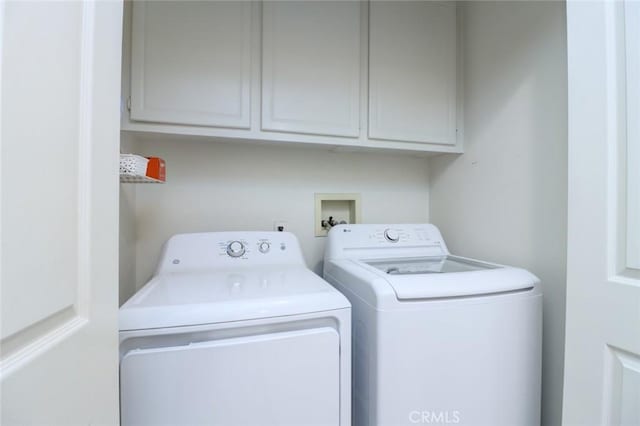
[391, 235]
[235, 249]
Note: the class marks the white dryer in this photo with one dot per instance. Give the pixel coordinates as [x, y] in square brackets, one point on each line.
[437, 339]
[233, 329]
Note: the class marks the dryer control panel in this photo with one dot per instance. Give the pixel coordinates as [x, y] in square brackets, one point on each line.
[214, 250]
[243, 248]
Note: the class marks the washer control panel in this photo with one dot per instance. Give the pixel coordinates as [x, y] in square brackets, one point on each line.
[390, 235]
[386, 240]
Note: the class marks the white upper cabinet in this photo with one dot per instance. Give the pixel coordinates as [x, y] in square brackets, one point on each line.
[412, 71]
[191, 63]
[371, 74]
[311, 67]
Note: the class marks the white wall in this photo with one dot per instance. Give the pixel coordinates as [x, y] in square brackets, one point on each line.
[505, 199]
[218, 187]
[127, 251]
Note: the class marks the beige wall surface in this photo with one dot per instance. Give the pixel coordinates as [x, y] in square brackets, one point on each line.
[127, 251]
[235, 186]
[504, 200]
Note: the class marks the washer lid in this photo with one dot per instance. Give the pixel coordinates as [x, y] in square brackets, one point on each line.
[449, 276]
[429, 265]
[183, 299]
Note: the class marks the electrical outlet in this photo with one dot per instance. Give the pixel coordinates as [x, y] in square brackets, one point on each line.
[279, 226]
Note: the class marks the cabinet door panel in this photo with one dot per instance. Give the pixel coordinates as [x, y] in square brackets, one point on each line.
[191, 63]
[311, 67]
[412, 71]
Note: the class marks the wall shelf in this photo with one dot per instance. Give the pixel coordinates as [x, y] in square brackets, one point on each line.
[125, 178]
[139, 169]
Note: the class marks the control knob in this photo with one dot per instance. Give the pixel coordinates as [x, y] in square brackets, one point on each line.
[235, 249]
[391, 235]
[263, 247]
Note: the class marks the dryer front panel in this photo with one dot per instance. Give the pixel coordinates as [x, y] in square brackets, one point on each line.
[283, 378]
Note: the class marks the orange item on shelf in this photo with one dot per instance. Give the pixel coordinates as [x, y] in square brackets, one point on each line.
[156, 168]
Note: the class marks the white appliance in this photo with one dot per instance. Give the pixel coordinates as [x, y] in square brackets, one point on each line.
[233, 329]
[437, 339]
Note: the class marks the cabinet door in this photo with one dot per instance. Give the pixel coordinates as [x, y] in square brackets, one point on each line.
[191, 62]
[412, 71]
[311, 67]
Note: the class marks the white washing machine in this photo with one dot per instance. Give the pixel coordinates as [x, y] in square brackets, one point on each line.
[437, 339]
[233, 329]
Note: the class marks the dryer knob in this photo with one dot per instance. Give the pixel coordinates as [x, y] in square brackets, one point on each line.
[264, 247]
[391, 235]
[235, 249]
